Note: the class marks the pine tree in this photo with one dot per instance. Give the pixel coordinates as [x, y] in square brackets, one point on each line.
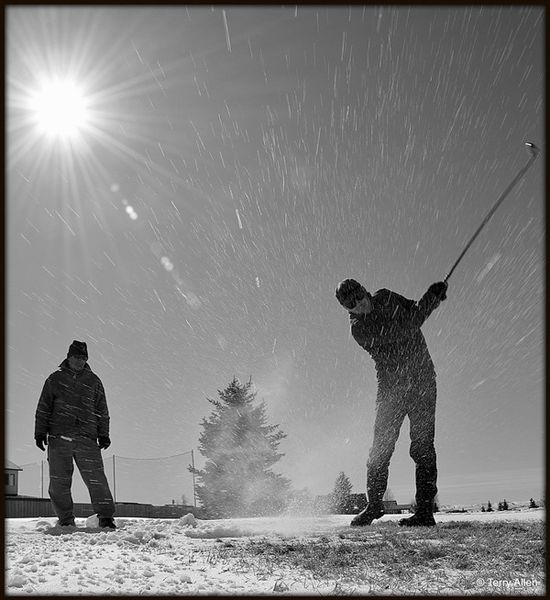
[240, 448]
[341, 494]
[489, 506]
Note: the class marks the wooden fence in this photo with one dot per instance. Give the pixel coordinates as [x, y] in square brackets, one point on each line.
[25, 507]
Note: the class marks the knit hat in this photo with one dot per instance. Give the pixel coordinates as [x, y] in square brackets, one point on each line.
[78, 349]
[349, 292]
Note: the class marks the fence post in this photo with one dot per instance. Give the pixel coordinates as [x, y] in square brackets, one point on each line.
[193, 465]
[114, 479]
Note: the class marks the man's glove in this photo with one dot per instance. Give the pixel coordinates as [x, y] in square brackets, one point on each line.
[103, 441]
[439, 290]
[41, 441]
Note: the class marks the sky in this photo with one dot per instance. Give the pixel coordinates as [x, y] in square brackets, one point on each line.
[228, 167]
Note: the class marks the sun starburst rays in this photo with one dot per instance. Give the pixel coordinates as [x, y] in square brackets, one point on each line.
[61, 99]
[67, 171]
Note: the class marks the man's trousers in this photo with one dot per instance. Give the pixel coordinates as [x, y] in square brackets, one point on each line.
[413, 396]
[87, 455]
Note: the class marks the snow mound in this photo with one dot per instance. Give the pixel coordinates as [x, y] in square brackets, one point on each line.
[188, 519]
[92, 521]
[219, 531]
[41, 525]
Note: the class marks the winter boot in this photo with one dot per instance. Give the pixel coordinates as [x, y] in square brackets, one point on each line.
[107, 523]
[418, 520]
[67, 523]
[367, 515]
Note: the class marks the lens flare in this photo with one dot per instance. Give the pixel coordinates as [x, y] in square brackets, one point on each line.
[60, 108]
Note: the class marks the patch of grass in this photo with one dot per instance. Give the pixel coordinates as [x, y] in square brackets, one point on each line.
[451, 558]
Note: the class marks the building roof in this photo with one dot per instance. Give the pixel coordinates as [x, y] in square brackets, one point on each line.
[12, 466]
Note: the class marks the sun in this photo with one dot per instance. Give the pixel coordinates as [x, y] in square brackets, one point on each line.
[59, 108]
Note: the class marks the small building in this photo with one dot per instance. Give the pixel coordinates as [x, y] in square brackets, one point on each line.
[12, 478]
[357, 502]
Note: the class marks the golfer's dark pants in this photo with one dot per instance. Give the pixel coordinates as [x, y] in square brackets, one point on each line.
[413, 396]
[87, 455]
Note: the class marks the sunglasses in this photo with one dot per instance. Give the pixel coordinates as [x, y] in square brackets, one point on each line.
[352, 299]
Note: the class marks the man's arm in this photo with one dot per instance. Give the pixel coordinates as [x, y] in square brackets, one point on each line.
[43, 410]
[427, 304]
[416, 313]
[42, 415]
[101, 410]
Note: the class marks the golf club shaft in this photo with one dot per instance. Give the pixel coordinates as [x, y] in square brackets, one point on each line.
[521, 173]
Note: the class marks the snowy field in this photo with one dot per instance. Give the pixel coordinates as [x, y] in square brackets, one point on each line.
[186, 556]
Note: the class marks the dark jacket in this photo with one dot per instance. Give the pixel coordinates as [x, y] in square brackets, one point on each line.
[391, 334]
[72, 403]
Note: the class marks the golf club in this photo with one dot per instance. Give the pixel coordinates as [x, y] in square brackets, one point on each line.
[534, 153]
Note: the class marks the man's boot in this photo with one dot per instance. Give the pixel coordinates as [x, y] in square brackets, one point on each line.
[367, 515]
[423, 516]
[418, 520]
[377, 481]
[107, 523]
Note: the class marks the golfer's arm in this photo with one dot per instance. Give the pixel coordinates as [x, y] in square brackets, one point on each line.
[424, 308]
[410, 313]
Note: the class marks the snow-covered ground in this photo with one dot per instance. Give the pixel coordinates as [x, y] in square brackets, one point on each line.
[171, 557]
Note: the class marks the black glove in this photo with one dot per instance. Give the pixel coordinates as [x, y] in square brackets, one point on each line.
[103, 441]
[41, 441]
[439, 290]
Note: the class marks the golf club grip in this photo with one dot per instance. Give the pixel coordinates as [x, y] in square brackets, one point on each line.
[505, 193]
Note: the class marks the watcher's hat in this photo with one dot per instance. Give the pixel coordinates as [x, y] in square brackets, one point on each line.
[78, 349]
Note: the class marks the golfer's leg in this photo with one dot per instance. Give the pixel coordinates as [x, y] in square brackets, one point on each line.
[390, 413]
[422, 430]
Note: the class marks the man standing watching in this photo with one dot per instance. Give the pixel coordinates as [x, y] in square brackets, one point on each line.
[72, 419]
[387, 326]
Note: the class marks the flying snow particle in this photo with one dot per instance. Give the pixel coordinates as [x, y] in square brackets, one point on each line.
[115, 188]
[158, 298]
[488, 267]
[239, 218]
[65, 222]
[191, 299]
[478, 384]
[227, 38]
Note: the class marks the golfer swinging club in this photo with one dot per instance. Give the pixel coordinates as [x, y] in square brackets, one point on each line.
[387, 326]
